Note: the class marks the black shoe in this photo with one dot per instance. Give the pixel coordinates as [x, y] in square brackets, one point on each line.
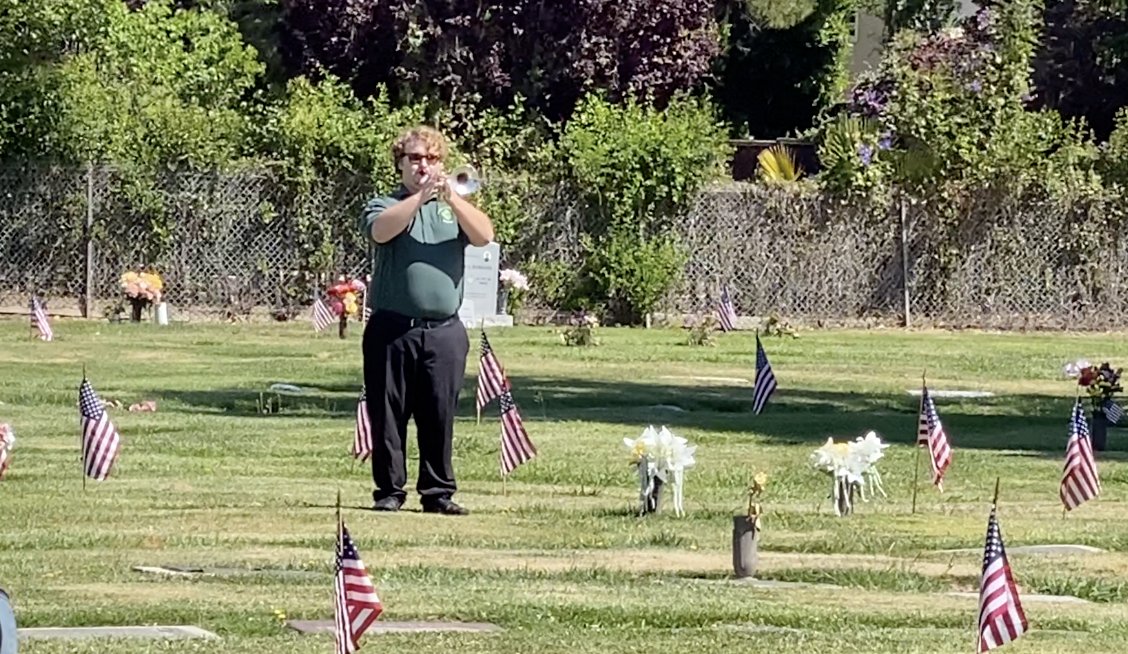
[444, 506]
[390, 503]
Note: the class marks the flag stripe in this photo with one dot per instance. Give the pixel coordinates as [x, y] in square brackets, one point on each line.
[1001, 618]
[516, 447]
[765, 383]
[726, 313]
[362, 433]
[101, 442]
[1080, 481]
[491, 376]
[356, 603]
[934, 438]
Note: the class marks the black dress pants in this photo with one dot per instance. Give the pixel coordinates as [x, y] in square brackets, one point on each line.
[413, 368]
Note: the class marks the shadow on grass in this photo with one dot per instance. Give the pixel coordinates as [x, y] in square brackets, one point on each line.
[1029, 425]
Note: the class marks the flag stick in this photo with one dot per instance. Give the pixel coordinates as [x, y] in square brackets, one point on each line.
[477, 408]
[916, 476]
[916, 444]
[995, 500]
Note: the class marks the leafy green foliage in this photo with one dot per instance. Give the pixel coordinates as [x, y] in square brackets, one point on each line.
[1114, 157]
[320, 129]
[1081, 65]
[146, 88]
[951, 107]
[783, 62]
[637, 168]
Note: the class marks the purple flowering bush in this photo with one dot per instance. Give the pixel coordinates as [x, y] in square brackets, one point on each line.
[947, 106]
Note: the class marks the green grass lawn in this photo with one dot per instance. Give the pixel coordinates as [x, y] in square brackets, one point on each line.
[555, 556]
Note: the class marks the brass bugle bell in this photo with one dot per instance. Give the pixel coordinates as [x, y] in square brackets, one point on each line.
[464, 180]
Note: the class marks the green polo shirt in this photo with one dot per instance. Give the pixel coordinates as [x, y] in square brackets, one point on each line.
[419, 272]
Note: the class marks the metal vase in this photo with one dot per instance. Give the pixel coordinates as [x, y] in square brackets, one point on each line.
[745, 550]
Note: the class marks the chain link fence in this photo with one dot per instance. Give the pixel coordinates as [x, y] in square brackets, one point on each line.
[245, 244]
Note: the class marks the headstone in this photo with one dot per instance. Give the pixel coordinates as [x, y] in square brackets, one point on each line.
[195, 571]
[1062, 549]
[1032, 597]
[8, 638]
[479, 285]
[386, 627]
[953, 393]
[175, 632]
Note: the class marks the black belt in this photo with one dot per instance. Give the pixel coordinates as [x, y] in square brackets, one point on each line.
[409, 322]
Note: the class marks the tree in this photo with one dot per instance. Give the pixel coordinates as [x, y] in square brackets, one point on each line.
[1081, 66]
[453, 52]
[94, 80]
[784, 61]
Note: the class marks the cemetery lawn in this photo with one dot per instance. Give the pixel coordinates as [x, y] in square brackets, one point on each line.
[556, 556]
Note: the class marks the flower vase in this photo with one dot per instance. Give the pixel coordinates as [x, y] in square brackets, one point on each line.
[1098, 436]
[138, 306]
[650, 489]
[502, 300]
[745, 542]
[343, 325]
[843, 497]
[654, 500]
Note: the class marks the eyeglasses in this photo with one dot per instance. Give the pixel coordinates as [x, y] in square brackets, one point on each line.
[415, 157]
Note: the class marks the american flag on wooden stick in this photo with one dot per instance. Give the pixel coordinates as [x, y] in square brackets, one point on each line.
[321, 315]
[491, 376]
[356, 604]
[39, 319]
[726, 313]
[516, 447]
[101, 442]
[362, 434]
[765, 379]
[1001, 618]
[1079, 481]
[931, 434]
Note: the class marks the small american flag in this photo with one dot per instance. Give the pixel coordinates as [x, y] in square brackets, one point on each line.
[1001, 618]
[362, 435]
[356, 604]
[935, 438]
[1080, 481]
[321, 316]
[101, 442]
[39, 320]
[725, 311]
[516, 447]
[1112, 411]
[765, 379]
[491, 376]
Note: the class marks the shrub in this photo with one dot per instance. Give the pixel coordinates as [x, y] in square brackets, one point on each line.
[637, 170]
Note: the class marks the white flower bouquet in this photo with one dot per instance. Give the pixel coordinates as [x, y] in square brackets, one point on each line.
[7, 442]
[852, 467]
[661, 458]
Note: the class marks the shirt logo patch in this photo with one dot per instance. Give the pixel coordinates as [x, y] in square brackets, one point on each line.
[445, 214]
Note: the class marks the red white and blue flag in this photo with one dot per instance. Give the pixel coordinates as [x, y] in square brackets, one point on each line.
[101, 442]
[355, 602]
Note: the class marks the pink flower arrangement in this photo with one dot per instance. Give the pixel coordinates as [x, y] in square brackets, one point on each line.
[344, 296]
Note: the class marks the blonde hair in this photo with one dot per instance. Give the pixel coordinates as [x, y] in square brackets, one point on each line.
[432, 140]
